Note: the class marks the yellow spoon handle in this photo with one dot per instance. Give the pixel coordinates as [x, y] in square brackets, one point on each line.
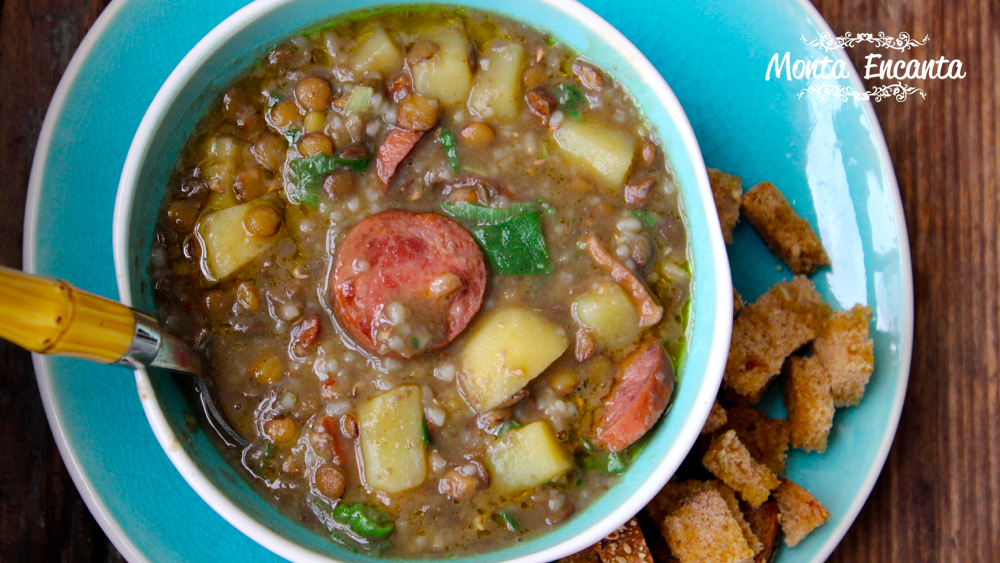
[52, 317]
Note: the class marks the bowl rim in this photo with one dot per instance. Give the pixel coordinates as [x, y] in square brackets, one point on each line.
[717, 350]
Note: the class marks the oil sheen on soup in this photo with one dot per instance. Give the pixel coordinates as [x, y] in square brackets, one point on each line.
[437, 262]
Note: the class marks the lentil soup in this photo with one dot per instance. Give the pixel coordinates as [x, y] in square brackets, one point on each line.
[438, 263]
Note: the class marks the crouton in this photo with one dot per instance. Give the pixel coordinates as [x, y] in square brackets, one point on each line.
[809, 403]
[764, 523]
[728, 459]
[589, 555]
[846, 352]
[727, 191]
[788, 316]
[625, 545]
[716, 419]
[674, 494]
[765, 438]
[737, 303]
[800, 512]
[704, 531]
[789, 236]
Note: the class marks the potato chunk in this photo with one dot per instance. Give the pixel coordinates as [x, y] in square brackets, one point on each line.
[446, 74]
[527, 457]
[605, 153]
[223, 155]
[392, 440]
[226, 246]
[609, 314]
[496, 92]
[506, 351]
[377, 52]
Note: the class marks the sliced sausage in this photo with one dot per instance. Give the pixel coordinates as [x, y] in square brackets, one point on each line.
[397, 268]
[393, 150]
[642, 390]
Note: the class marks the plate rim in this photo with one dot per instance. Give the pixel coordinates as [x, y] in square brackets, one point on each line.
[41, 364]
[131, 551]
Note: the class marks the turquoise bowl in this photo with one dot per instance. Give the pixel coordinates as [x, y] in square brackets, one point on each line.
[199, 80]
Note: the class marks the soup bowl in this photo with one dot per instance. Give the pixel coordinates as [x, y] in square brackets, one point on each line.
[197, 83]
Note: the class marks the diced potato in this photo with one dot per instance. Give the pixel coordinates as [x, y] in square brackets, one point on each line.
[222, 158]
[226, 246]
[377, 52]
[526, 457]
[609, 314]
[446, 75]
[392, 444]
[506, 351]
[605, 152]
[496, 91]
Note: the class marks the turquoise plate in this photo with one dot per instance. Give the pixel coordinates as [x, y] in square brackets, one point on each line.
[827, 156]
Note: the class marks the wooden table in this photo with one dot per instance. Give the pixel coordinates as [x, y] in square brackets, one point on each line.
[938, 499]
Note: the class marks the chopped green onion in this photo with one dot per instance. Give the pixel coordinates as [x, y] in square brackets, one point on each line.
[364, 520]
[268, 451]
[309, 173]
[358, 101]
[649, 220]
[450, 148]
[616, 464]
[415, 341]
[587, 447]
[574, 114]
[425, 433]
[505, 520]
[606, 462]
[515, 246]
[568, 96]
[508, 426]
[272, 99]
[482, 215]
[293, 135]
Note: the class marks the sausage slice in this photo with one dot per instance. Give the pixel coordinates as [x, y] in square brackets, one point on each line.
[642, 390]
[405, 284]
[392, 151]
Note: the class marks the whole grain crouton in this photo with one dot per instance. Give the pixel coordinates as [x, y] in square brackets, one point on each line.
[716, 419]
[845, 349]
[800, 512]
[765, 524]
[589, 555]
[625, 545]
[788, 316]
[788, 235]
[765, 438]
[727, 191]
[728, 459]
[809, 403]
[704, 531]
[676, 493]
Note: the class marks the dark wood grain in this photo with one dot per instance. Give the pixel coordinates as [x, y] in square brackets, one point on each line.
[938, 499]
[42, 517]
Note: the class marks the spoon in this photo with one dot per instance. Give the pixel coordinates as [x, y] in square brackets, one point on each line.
[49, 316]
